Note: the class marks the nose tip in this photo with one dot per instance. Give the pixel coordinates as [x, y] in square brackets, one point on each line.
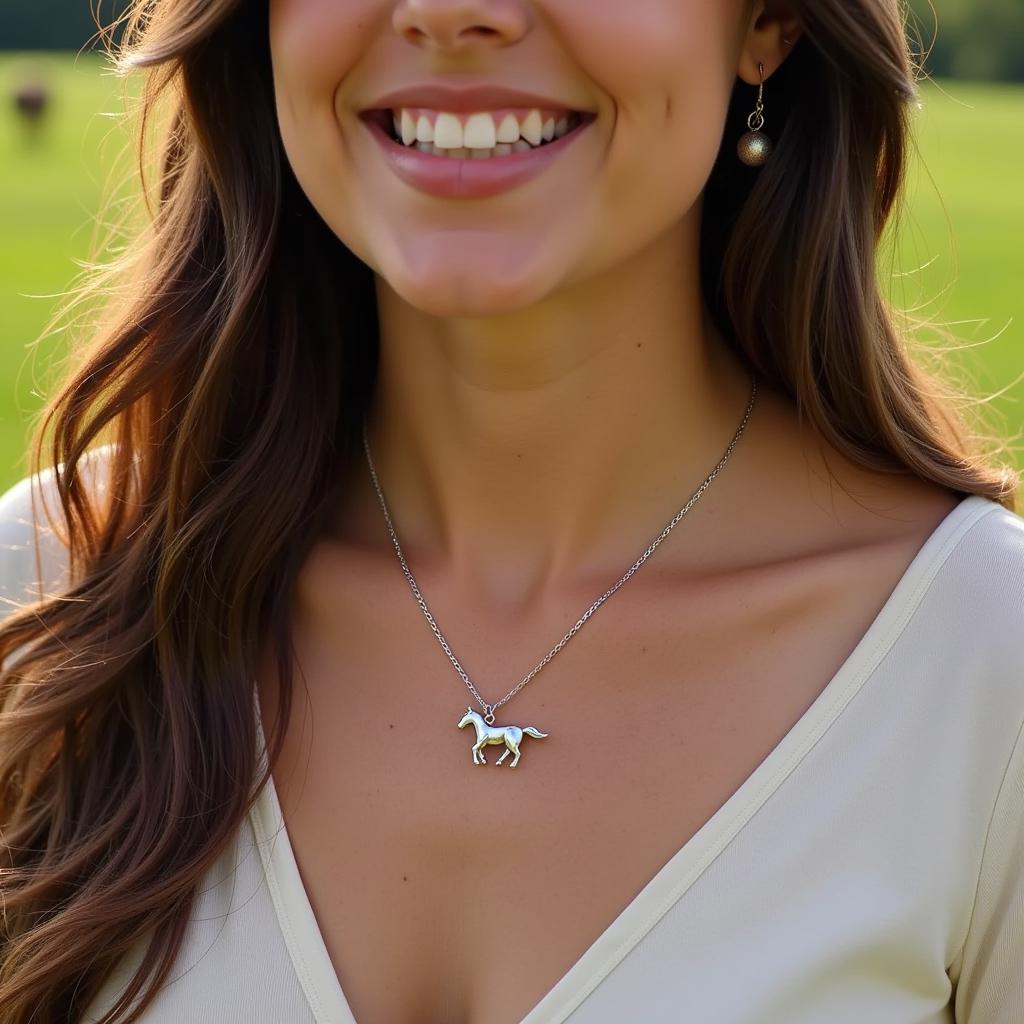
[460, 24]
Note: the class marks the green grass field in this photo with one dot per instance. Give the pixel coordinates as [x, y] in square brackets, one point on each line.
[957, 254]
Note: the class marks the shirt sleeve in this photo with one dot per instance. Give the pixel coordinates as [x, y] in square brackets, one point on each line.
[30, 572]
[23, 577]
[990, 987]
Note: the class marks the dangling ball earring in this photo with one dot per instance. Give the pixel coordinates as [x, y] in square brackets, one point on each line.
[754, 147]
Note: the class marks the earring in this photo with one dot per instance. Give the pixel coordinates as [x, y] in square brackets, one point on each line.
[754, 147]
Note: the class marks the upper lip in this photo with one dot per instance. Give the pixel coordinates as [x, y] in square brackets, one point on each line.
[465, 98]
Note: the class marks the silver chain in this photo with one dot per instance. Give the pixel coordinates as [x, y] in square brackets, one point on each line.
[489, 709]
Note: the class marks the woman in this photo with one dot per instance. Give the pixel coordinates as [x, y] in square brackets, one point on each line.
[586, 313]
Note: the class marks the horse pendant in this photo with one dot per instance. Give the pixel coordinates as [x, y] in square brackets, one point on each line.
[510, 735]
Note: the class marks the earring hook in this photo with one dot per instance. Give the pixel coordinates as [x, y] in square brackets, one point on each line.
[756, 120]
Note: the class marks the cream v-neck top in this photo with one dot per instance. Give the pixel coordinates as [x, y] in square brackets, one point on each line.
[869, 871]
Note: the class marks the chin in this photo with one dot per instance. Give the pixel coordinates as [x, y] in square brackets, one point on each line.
[458, 268]
[458, 290]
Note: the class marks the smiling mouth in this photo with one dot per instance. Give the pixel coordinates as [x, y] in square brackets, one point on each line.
[389, 123]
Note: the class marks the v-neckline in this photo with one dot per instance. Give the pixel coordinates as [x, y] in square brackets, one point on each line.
[301, 930]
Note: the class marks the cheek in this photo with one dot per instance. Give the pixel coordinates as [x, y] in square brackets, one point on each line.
[644, 47]
[314, 41]
[315, 47]
[668, 68]
[314, 44]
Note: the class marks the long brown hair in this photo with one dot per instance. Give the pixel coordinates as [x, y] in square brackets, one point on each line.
[234, 364]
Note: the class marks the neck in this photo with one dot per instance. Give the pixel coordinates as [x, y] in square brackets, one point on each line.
[527, 447]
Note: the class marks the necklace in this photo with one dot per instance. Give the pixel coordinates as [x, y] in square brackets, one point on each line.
[511, 735]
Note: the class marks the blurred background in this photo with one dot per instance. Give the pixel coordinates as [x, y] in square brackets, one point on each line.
[954, 261]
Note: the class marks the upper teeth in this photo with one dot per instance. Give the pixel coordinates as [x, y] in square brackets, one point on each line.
[481, 130]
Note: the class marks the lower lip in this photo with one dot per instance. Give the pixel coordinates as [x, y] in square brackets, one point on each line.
[468, 177]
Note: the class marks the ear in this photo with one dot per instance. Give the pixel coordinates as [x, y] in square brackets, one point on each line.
[772, 31]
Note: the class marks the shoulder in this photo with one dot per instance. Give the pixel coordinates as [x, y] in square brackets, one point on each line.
[969, 615]
[983, 562]
[33, 555]
[986, 569]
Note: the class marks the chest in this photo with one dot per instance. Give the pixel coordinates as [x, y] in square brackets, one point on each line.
[453, 892]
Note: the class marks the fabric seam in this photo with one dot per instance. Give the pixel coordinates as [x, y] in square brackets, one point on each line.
[299, 962]
[986, 845]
